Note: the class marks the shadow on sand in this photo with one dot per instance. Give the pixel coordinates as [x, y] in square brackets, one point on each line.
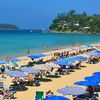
[22, 88]
[53, 76]
[45, 79]
[83, 66]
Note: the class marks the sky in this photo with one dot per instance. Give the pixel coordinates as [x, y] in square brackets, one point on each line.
[38, 14]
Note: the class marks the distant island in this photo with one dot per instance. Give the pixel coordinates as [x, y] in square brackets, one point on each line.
[8, 27]
[76, 23]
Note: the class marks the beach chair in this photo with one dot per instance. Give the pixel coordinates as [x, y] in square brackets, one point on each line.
[10, 96]
[8, 67]
[39, 95]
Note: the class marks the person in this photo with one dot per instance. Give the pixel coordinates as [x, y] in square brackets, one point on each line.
[1, 76]
[90, 91]
[52, 69]
[1, 95]
[21, 82]
[49, 93]
[28, 51]
[74, 97]
[2, 69]
[13, 68]
[32, 59]
[86, 98]
[6, 93]
[15, 81]
[96, 97]
[36, 82]
[30, 79]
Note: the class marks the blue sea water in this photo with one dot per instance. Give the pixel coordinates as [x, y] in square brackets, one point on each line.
[15, 43]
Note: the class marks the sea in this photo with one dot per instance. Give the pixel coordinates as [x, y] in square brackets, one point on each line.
[18, 43]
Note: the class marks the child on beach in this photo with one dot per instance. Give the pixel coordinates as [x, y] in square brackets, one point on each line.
[49, 93]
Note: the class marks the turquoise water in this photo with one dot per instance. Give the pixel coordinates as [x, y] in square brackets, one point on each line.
[17, 43]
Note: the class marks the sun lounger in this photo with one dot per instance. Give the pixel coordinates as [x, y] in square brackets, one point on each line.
[11, 95]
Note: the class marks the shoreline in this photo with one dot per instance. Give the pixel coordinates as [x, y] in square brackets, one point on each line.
[69, 32]
[47, 52]
[44, 52]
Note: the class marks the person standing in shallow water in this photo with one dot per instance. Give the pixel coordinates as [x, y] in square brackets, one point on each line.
[28, 51]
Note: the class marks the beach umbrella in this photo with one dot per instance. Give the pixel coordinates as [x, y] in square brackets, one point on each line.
[77, 58]
[96, 73]
[87, 83]
[61, 62]
[81, 58]
[3, 62]
[14, 73]
[93, 78]
[95, 53]
[15, 63]
[52, 65]
[72, 90]
[29, 70]
[56, 98]
[36, 56]
[15, 60]
[42, 67]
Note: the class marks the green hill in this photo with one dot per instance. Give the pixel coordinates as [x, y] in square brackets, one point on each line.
[75, 22]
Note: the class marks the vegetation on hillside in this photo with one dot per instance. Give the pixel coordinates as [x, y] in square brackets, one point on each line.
[8, 27]
[75, 22]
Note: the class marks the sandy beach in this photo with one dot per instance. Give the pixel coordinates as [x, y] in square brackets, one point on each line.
[54, 83]
[58, 83]
[50, 50]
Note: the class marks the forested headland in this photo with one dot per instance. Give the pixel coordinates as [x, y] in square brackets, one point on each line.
[76, 22]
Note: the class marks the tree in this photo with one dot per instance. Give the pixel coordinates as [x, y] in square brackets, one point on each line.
[71, 19]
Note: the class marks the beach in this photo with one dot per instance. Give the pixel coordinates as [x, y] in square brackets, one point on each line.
[49, 50]
[56, 83]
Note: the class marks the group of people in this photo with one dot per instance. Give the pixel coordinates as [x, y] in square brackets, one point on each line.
[67, 54]
[94, 59]
[19, 83]
[90, 95]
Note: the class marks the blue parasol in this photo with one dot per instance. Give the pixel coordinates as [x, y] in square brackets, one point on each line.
[61, 62]
[87, 83]
[72, 90]
[15, 60]
[56, 98]
[14, 73]
[77, 58]
[29, 70]
[93, 78]
[96, 73]
[36, 56]
[94, 53]
[3, 62]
